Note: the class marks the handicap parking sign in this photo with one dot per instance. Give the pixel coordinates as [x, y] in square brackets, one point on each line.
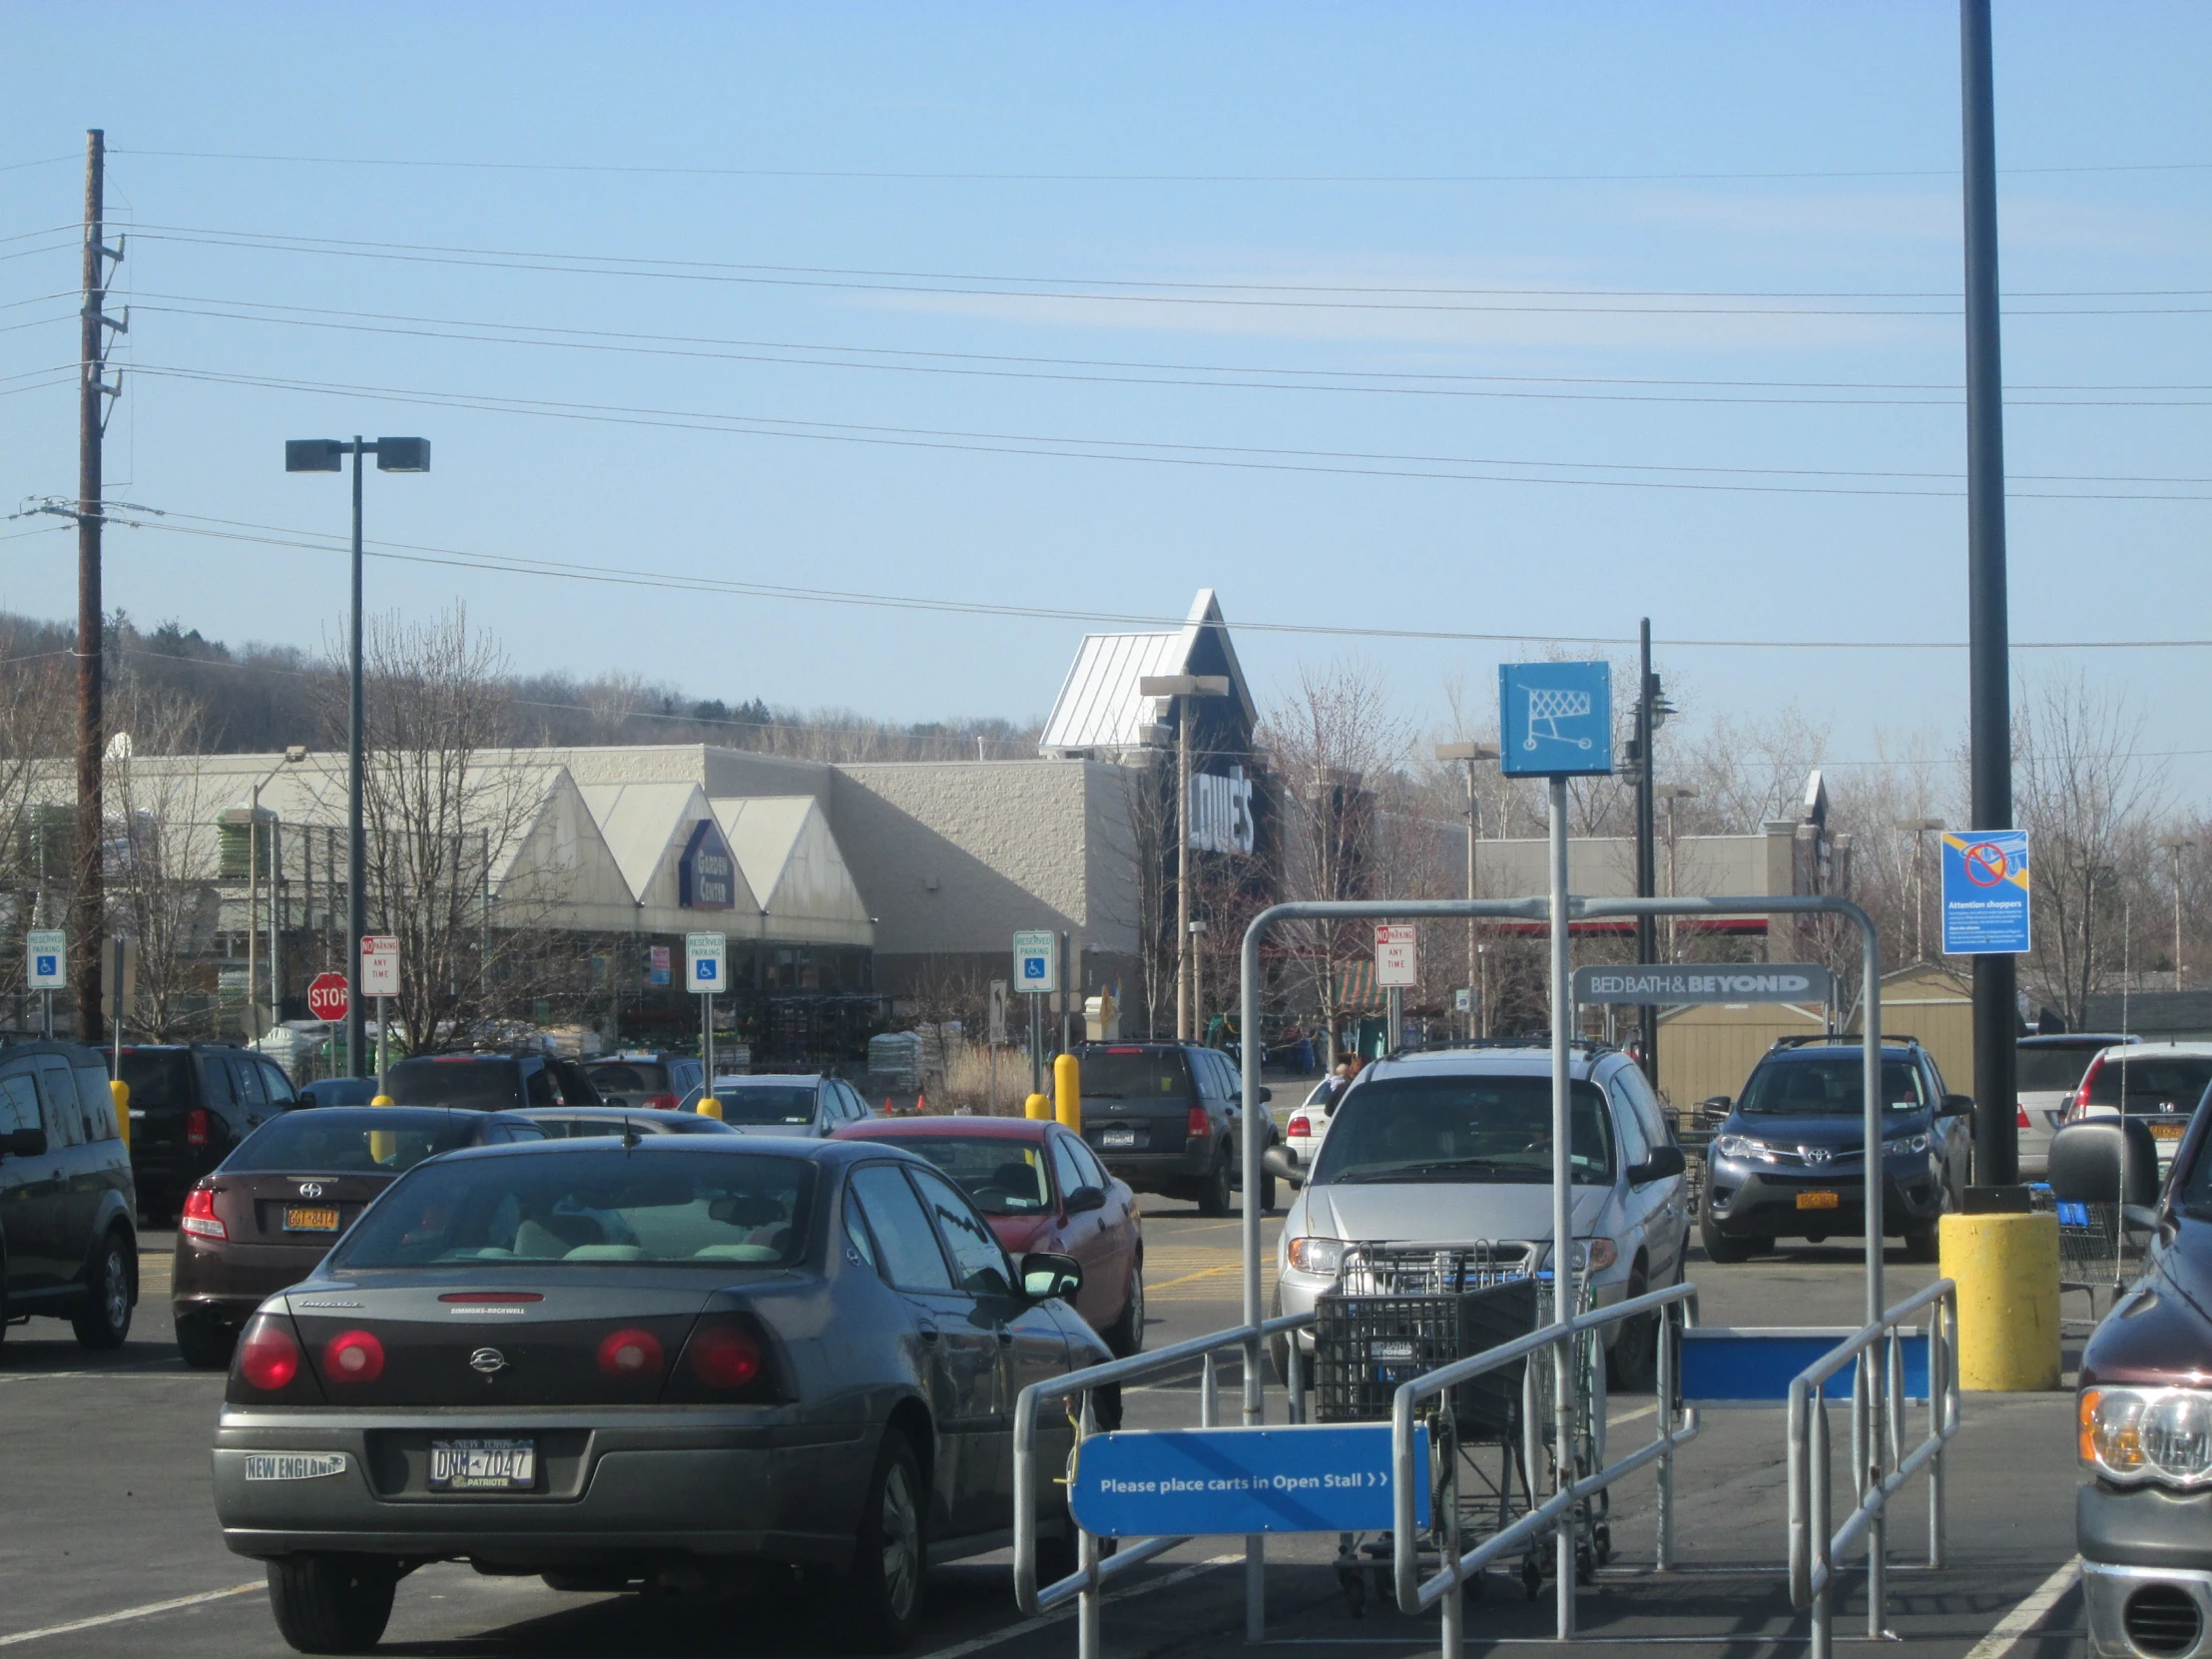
[48, 966]
[1555, 719]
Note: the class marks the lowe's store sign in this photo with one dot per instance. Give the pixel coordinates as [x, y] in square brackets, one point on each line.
[1707, 983]
[707, 871]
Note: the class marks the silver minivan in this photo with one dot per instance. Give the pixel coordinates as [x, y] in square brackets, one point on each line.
[1453, 1149]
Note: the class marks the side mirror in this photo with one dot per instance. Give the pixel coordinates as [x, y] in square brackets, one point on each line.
[1663, 1162]
[2090, 1158]
[1265, 1095]
[22, 1143]
[1084, 1199]
[1045, 1274]
[1282, 1163]
[1956, 1106]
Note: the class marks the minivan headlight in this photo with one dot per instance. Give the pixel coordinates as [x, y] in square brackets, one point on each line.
[2133, 1435]
[1323, 1257]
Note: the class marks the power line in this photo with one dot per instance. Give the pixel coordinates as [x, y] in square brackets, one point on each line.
[1338, 382]
[1132, 178]
[588, 264]
[1152, 451]
[224, 529]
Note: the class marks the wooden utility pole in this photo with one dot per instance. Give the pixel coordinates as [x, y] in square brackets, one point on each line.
[88, 926]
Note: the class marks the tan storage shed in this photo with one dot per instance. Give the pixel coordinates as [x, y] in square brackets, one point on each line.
[1709, 1048]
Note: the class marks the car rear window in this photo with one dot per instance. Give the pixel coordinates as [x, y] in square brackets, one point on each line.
[1002, 1176]
[563, 1208]
[627, 1077]
[476, 1086]
[1138, 1075]
[2156, 1082]
[781, 1103]
[1476, 1129]
[158, 1077]
[2053, 1068]
[342, 1142]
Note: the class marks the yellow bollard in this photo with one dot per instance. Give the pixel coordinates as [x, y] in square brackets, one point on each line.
[122, 1092]
[710, 1107]
[384, 1144]
[1037, 1106]
[1067, 1089]
[2007, 1270]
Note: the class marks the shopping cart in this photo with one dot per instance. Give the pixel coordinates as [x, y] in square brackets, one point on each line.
[2092, 1249]
[1400, 1310]
[1549, 706]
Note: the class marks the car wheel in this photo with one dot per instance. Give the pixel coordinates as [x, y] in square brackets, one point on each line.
[1126, 1334]
[1719, 1247]
[1268, 1194]
[332, 1603]
[1633, 1364]
[880, 1601]
[106, 1321]
[1215, 1196]
[204, 1343]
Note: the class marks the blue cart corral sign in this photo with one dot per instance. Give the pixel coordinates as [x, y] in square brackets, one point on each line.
[1986, 912]
[1555, 719]
[1326, 1478]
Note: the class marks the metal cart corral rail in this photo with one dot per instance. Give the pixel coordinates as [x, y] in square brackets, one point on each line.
[1401, 1311]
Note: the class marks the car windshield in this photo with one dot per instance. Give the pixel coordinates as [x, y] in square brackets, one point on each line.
[1460, 1128]
[768, 1103]
[158, 1077]
[2054, 1068]
[477, 1085]
[343, 1141]
[573, 1206]
[2196, 1191]
[1004, 1178]
[628, 1077]
[1136, 1074]
[2158, 1082]
[1829, 1086]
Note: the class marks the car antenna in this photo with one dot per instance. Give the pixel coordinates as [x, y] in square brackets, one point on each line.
[629, 1133]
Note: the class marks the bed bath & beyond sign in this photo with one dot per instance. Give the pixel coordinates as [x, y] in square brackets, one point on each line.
[1750, 982]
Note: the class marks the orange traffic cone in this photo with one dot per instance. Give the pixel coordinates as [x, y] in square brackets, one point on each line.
[886, 1105]
[921, 1103]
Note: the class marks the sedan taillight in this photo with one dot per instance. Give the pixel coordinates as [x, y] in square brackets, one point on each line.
[1300, 1125]
[196, 1126]
[200, 1219]
[2024, 1116]
[728, 1357]
[268, 1355]
[353, 1357]
[659, 1103]
[633, 1353]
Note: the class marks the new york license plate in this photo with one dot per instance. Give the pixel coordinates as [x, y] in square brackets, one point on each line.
[310, 1218]
[484, 1466]
[1118, 1137]
[1818, 1201]
[2167, 1131]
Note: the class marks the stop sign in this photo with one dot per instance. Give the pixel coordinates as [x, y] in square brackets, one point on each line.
[327, 998]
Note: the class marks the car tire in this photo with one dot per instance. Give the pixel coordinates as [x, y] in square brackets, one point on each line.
[1268, 1195]
[332, 1603]
[106, 1321]
[1721, 1249]
[1125, 1336]
[1632, 1364]
[1216, 1195]
[204, 1343]
[880, 1601]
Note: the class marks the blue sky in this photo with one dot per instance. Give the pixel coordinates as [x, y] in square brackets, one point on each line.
[1525, 315]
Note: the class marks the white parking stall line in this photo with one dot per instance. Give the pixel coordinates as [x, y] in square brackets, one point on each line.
[145, 1612]
[976, 1644]
[2028, 1615]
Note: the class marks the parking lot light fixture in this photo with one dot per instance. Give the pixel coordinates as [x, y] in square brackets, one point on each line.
[1921, 828]
[328, 456]
[1471, 754]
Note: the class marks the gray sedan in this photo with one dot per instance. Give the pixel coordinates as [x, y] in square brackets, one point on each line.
[687, 1364]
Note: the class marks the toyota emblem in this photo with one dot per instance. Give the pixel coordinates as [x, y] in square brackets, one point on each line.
[487, 1360]
[1816, 1154]
[310, 1189]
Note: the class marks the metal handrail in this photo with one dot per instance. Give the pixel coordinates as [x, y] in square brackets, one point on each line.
[1416, 1595]
[1094, 1573]
[1878, 1410]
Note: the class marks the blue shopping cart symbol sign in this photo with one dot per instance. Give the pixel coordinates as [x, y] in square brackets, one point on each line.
[1555, 719]
[1321, 1478]
[1985, 892]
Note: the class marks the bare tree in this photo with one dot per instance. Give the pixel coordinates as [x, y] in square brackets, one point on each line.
[35, 833]
[162, 859]
[2086, 803]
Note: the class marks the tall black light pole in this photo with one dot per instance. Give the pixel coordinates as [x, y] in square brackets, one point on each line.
[327, 455]
[1988, 648]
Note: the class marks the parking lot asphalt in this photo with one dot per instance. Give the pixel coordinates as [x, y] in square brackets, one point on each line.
[109, 1544]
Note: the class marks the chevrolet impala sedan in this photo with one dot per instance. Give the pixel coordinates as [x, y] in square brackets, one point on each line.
[674, 1362]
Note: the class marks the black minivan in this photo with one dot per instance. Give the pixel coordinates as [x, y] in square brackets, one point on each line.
[1167, 1117]
[68, 1234]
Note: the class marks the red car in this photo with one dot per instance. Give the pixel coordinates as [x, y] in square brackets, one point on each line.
[1041, 1188]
